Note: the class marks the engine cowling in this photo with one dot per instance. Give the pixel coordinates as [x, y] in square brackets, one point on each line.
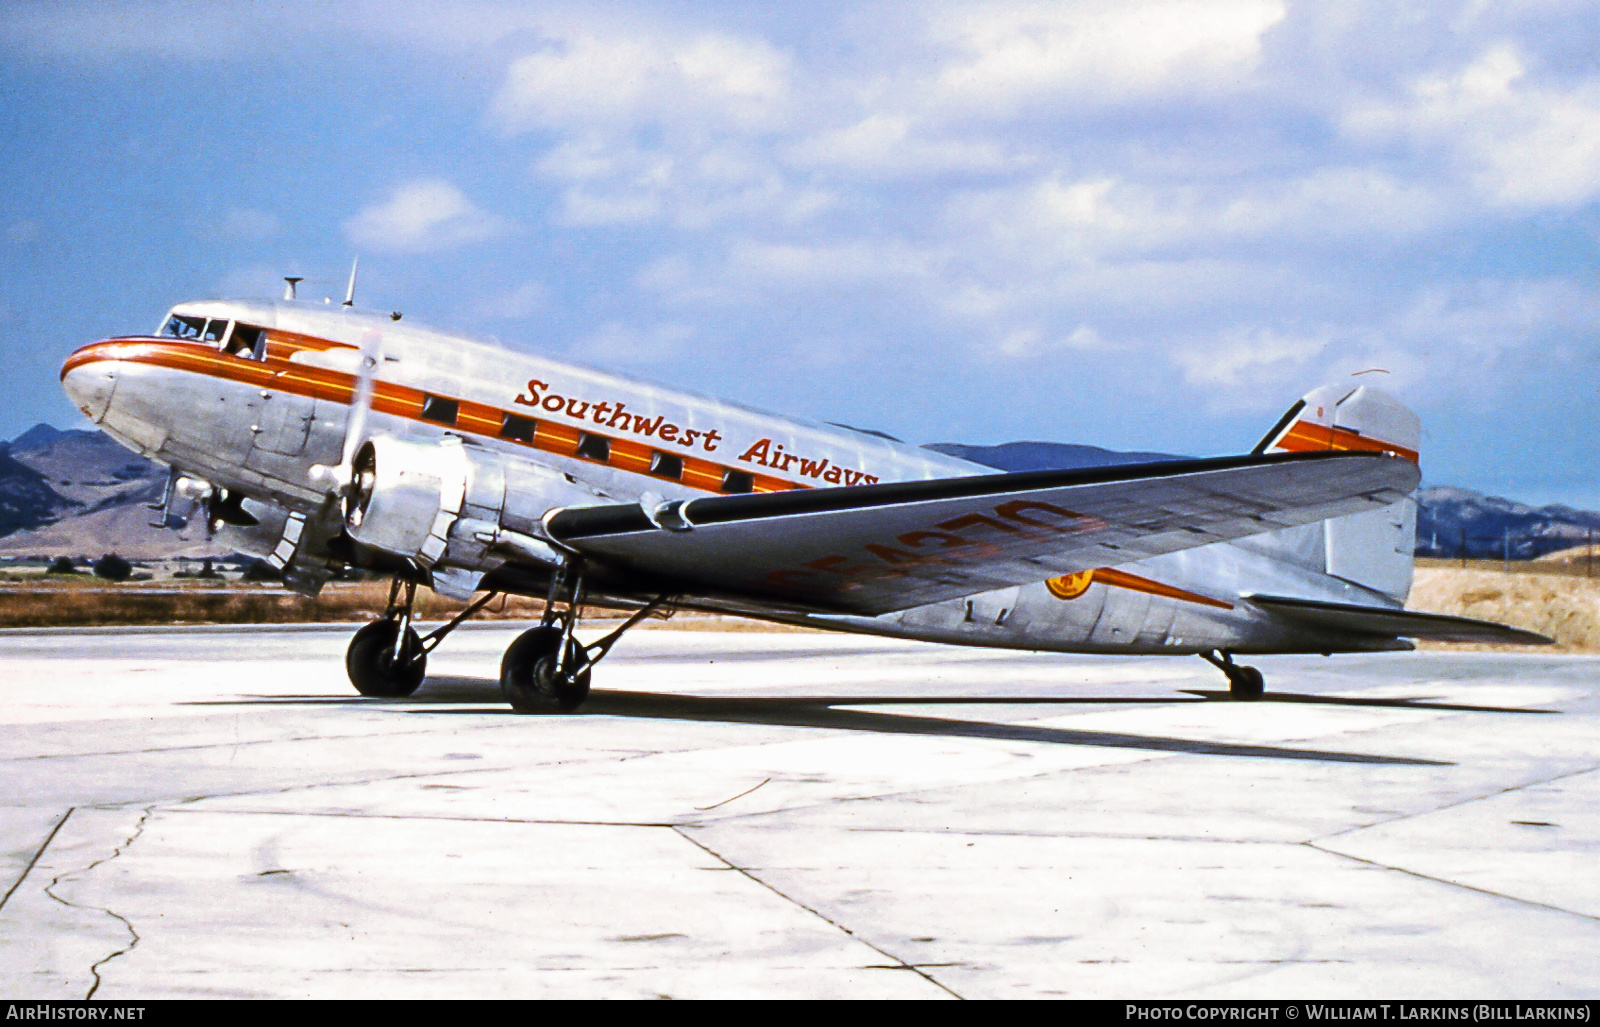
[446, 504]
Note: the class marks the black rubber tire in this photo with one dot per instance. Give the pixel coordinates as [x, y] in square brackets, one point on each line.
[525, 683]
[370, 661]
[1246, 684]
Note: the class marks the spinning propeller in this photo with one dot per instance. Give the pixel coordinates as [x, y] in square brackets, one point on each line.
[339, 480]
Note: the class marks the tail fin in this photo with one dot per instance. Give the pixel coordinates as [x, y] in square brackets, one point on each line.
[1373, 549]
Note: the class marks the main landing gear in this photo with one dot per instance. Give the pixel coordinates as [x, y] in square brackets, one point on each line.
[387, 659]
[544, 669]
[1244, 683]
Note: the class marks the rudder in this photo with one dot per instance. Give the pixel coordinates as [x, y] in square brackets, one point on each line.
[1373, 550]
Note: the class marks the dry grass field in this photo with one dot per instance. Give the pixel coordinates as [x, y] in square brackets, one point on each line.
[80, 601]
[84, 601]
[1552, 600]
[1559, 603]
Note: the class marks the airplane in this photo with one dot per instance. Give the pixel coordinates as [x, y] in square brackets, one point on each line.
[322, 437]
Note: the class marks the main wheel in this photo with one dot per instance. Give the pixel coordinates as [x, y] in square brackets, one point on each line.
[370, 661]
[1246, 683]
[528, 673]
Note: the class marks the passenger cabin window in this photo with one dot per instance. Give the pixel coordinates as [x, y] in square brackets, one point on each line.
[666, 465]
[439, 409]
[517, 429]
[738, 481]
[595, 447]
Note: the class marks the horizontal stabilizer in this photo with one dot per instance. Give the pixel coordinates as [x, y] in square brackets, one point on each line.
[871, 549]
[1372, 620]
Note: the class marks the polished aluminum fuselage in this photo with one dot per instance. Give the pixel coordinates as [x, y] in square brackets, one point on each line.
[262, 425]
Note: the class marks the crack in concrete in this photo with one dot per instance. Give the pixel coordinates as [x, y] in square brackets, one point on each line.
[133, 935]
[898, 963]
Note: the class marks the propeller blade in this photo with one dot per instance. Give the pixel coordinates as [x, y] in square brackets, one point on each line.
[355, 425]
[337, 479]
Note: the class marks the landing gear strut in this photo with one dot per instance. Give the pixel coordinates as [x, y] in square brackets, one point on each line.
[546, 667]
[1244, 683]
[387, 659]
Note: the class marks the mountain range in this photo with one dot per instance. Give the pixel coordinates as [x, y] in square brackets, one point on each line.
[77, 493]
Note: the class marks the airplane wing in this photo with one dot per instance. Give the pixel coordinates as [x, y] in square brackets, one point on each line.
[872, 549]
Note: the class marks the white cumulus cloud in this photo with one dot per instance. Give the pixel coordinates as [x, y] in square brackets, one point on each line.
[1519, 142]
[587, 78]
[423, 215]
[1015, 52]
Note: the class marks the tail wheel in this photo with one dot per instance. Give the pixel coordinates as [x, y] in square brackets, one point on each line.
[380, 669]
[529, 676]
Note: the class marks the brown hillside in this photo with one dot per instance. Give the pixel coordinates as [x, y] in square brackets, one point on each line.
[1564, 606]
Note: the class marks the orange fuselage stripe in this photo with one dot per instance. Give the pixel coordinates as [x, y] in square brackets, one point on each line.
[402, 401]
[278, 373]
[1062, 588]
[1122, 579]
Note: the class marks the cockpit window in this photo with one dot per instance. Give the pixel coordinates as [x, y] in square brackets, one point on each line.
[180, 326]
[245, 341]
[238, 339]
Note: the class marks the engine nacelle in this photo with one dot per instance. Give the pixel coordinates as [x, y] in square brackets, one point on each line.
[449, 504]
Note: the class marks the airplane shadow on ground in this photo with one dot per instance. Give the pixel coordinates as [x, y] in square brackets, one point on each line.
[836, 713]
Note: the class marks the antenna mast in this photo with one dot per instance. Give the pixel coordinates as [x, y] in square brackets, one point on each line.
[350, 290]
[288, 290]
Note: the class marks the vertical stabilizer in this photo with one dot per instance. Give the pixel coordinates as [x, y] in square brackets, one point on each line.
[1374, 549]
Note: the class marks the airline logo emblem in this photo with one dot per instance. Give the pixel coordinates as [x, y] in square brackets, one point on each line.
[1071, 586]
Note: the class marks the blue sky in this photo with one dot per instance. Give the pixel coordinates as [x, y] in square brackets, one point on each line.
[1142, 224]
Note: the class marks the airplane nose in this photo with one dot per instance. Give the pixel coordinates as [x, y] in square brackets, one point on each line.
[89, 386]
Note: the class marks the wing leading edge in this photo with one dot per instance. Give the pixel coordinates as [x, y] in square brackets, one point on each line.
[873, 549]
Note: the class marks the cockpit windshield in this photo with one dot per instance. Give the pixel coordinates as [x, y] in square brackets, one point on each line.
[180, 326]
[231, 337]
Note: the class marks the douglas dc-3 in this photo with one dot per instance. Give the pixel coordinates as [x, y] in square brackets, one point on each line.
[320, 437]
